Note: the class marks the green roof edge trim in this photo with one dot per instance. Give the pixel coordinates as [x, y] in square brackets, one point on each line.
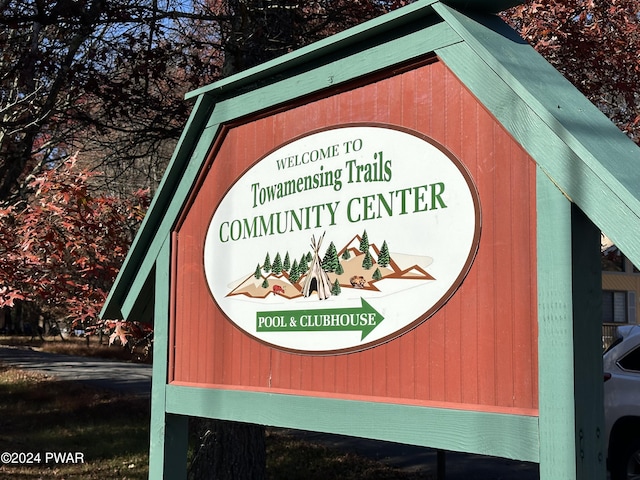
[571, 140]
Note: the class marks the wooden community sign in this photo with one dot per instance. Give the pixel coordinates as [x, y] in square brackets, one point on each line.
[391, 234]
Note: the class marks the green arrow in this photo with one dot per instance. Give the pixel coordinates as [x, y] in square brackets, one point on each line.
[363, 319]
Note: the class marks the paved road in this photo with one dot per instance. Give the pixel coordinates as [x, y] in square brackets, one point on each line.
[135, 378]
[132, 378]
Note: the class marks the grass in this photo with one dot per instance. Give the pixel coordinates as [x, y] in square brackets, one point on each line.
[289, 458]
[39, 414]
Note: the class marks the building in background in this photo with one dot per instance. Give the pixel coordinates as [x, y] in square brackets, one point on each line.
[620, 289]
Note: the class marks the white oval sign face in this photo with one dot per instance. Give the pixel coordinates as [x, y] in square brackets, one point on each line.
[342, 239]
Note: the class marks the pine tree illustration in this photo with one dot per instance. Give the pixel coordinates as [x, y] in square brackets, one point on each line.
[346, 255]
[339, 270]
[367, 263]
[364, 242]
[294, 273]
[336, 289]
[287, 263]
[276, 268]
[383, 257]
[266, 266]
[258, 272]
[265, 284]
[377, 275]
[330, 261]
[303, 266]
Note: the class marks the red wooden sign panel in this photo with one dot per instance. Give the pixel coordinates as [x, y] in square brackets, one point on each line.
[479, 351]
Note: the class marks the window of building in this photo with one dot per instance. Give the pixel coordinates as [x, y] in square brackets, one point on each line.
[618, 307]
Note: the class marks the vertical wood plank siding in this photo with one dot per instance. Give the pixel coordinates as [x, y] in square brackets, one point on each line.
[478, 350]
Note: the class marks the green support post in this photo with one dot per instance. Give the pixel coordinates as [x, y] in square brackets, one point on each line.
[169, 433]
[570, 361]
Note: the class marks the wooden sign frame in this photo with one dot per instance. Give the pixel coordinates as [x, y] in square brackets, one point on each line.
[583, 184]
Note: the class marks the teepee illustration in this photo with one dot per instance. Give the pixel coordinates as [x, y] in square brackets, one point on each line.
[317, 279]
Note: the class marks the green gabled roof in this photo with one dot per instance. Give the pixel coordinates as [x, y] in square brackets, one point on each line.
[575, 145]
[583, 153]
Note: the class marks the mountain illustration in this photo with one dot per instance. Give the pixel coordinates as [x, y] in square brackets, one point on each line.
[275, 285]
[357, 265]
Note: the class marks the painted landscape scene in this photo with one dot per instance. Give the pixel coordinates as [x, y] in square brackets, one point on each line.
[360, 265]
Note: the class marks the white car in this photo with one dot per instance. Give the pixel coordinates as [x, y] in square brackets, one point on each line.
[621, 362]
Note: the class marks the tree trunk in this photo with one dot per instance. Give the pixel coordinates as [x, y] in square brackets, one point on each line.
[231, 450]
[228, 451]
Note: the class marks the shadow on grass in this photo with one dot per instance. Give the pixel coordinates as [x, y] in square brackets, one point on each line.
[108, 434]
[312, 461]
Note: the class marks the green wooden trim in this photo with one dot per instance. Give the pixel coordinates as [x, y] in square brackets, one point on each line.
[168, 433]
[569, 339]
[142, 309]
[555, 333]
[502, 435]
[142, 288]
[585, 154]
[377, 58]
